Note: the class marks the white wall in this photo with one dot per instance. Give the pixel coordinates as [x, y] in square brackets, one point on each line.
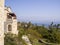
[1, 22]
[14, 27]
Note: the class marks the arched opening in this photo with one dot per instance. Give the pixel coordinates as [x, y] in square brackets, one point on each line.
[9, 27]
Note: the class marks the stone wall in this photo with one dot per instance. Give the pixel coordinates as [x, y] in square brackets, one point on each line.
[11, 21]
[1, 22]
[14, 27]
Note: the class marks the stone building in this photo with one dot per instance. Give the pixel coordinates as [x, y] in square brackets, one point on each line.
[8, 21]
[10, 24]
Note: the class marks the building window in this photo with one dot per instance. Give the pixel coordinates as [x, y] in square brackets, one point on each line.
[9, 27]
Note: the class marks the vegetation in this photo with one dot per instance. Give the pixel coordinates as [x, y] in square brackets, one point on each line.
[38, 35]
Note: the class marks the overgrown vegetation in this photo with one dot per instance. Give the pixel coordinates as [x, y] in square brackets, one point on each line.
[36, 34]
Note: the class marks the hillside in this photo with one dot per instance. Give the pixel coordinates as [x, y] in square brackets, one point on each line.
[37, 35]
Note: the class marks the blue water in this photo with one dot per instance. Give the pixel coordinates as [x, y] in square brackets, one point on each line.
[45, 24]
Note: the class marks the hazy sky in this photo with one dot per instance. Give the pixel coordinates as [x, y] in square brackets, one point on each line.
[39, 11]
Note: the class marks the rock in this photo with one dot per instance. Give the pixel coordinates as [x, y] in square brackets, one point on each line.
[26, 39]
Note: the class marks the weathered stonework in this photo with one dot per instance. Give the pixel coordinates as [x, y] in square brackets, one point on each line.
[8, 22]
[1, 22]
